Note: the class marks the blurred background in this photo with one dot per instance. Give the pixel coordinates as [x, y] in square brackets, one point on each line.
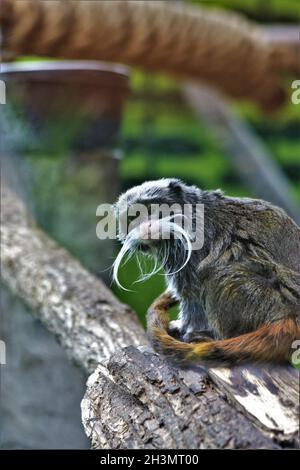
[149, 131]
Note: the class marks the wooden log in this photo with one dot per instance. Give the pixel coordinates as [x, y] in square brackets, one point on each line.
[138, 400]
[268, 395]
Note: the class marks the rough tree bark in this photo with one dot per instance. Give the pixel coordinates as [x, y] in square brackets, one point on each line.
[138, 400]
[135, 399]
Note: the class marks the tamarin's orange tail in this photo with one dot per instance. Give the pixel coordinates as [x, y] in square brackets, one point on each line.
[269, 343]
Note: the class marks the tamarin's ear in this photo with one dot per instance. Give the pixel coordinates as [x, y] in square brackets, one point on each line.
[175, 186]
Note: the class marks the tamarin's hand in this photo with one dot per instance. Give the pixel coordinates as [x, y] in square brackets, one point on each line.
[269, 343]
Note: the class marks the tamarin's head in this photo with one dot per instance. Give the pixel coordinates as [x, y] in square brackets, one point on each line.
[153, 219]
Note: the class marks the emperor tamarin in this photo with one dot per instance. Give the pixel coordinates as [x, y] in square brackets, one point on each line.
[238, 294]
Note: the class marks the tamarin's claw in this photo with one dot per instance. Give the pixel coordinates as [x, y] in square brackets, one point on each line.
[198, 336]
[165, 301]
[175, 329]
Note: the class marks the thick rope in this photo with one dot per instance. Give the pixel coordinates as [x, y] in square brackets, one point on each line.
[222, 49]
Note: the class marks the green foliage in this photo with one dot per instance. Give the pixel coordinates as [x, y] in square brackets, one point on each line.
[260, 10]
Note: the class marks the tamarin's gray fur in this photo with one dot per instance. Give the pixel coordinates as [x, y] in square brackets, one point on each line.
[239, 295]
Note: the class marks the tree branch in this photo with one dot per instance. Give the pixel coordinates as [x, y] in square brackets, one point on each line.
[138, 400]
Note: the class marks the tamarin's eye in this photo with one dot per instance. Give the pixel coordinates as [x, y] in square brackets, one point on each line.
[175, 187]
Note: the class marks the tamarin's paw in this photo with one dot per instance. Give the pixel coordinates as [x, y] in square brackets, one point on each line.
[165, 301]
[198, 336]
[175, 329]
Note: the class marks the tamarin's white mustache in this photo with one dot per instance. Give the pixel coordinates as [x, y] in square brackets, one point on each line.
[130, 247]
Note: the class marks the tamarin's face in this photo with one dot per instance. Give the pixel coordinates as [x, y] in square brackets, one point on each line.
[136, 209]
[150, 221]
